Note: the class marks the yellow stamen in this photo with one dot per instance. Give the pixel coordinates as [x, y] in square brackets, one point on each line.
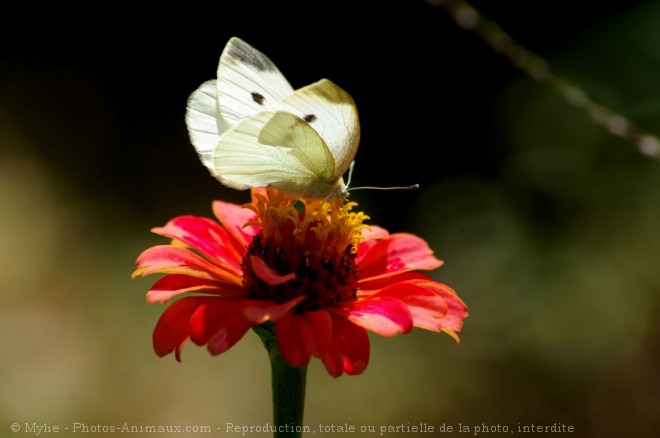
[315, 239]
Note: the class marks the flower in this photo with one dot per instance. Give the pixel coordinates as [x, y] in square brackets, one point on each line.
[311, 268]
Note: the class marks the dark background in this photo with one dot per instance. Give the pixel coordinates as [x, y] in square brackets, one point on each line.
[548, 225]
[103, 93]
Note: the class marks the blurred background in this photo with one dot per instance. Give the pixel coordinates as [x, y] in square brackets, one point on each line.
[549, 227]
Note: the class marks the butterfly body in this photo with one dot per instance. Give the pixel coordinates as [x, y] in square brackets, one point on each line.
[252, 129]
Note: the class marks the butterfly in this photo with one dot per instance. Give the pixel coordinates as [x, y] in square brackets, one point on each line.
[252, 129]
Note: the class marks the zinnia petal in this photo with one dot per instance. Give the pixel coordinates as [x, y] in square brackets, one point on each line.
[220, 323]
[171, 330]
[265, 273]
[299, 336]
[175, 284]
[456, 308]
[386, 316]
[433, 306]
[369, 286]
[206, 236]
[374, 232]
[371, 236]
[349, 348]
[399, 253]
[233, 218]
[426, 306]
[167, 259]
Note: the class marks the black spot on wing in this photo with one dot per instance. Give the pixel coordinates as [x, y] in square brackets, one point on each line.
[309, 118]
[240, 51]
[258, 98]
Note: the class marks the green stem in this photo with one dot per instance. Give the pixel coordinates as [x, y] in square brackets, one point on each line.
[288, 387]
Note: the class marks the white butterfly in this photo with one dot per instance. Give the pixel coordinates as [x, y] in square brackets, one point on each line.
[251, 129]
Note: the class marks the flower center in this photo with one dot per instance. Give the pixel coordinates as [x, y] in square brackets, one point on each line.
[308, 247]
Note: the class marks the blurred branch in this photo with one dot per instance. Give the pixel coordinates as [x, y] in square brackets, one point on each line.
[541, 71]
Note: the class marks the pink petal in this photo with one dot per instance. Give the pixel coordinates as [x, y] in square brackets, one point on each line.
[220, 323]
[349, 348]
[371, 238]
[456, 308]
[370, 286]
[175, 284]
[434, 306]
[374, 232]
[233, 218]
[168, 259]
[207, 237]
[171, 330]
[399, 253]
[265, 273]
[386, 316]
[426, 307]
[301, 335]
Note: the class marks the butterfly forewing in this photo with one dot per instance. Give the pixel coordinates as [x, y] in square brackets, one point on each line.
[248, 82]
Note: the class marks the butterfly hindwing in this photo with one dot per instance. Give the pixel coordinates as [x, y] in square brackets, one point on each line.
[204, 122]
[278, 149]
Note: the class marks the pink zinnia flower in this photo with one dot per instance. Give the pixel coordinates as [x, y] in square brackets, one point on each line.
[311, 268]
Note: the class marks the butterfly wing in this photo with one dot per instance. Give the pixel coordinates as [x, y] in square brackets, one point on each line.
[251, 129]
[248, 82]
[332, 113]
[277, 149]
[204, 122]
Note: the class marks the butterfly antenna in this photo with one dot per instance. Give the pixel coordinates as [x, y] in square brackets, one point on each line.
[412, 187]
[350, 175]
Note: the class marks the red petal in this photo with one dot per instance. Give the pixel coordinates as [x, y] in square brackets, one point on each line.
[301, 335]
[207, 237]
[175, 284]
[321, 326]
[289, 332]
[171, 330]
[349, 348]
[399, 253]
[265, 273]
[220, 323]
[386, 316]
[233, 218]
[168, 259]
